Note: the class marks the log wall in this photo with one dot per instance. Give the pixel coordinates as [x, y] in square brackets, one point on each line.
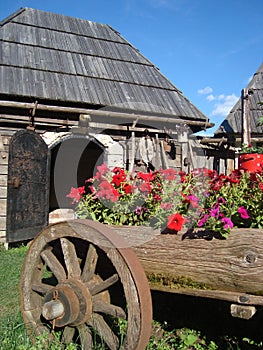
[232, 265]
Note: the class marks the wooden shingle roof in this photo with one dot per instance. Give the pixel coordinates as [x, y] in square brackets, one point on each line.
[52, 57]
[233, 123]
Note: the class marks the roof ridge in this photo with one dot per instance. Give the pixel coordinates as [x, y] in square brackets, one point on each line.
[13, 15]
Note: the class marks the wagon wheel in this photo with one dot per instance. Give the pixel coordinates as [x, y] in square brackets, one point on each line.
[80, 282]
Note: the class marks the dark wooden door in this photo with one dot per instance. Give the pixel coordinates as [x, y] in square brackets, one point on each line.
[28, 186]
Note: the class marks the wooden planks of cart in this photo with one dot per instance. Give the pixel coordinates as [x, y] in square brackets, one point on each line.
[92, 282]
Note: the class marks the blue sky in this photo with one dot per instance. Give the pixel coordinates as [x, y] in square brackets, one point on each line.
[208, 49]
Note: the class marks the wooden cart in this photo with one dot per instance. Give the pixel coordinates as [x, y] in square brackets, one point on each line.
[91, 282]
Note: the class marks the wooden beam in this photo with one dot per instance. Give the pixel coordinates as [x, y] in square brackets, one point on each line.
[246, 128]
[105, 113]
[214, 140]
[225, 140]
[52, 122]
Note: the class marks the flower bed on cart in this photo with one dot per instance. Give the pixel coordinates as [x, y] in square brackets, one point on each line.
[198, 233]
[173, 201]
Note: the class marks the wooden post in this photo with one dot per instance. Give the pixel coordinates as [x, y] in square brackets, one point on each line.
[165, 164]
[131, 165]
[246, 129]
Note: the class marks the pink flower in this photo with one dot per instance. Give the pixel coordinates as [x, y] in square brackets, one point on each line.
[243, 213]
[169, 174]
[145, 187]
[102, 169]
[192, 200]
[140, 210]
[76, 193]
[107, 191]
[227, 223]
[166, 205]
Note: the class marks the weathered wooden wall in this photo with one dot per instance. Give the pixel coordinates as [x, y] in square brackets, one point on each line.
[4, 144]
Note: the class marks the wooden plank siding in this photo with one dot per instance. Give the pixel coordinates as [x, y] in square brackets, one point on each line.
[4, 143]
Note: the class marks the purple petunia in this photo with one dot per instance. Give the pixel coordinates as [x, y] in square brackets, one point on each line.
[203, 220]
[140, 210]
[243, 213]
[214, 212]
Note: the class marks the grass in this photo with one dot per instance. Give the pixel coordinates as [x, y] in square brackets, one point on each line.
[13, 335]
[10, 268]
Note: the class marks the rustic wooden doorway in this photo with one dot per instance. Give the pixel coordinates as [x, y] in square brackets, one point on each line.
[28, 186]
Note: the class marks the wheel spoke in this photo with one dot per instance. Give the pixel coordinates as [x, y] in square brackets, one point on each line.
[90, 264]
[85, 337]
[70, 257]
[109, 309]
[105, 284]
[54, 265]
[41, 288]
[103, 329]
[68, 335]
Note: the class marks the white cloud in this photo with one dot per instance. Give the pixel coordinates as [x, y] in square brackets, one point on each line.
[225, 105]
[210, 97]
[221, 97]
[205, 91]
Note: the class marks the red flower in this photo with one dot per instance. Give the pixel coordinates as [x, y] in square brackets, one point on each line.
[128, 188]
[157, 198]
[118, 170]
[182, 176]
[146, 176]
[175, 222]
[76, 193]
[117, 179]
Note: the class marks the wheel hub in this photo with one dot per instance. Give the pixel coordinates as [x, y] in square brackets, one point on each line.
[68, 303]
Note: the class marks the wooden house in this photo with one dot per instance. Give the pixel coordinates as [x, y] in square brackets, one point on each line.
[74, 94]
[241, 126]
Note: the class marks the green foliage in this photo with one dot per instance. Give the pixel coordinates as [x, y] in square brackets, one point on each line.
[13, 335]
[181, 339]
[260, 119]
[249, 148]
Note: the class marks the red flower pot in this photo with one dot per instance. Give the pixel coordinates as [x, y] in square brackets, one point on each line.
[252, 162]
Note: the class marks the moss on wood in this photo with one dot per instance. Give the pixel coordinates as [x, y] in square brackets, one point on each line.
[175, 282]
